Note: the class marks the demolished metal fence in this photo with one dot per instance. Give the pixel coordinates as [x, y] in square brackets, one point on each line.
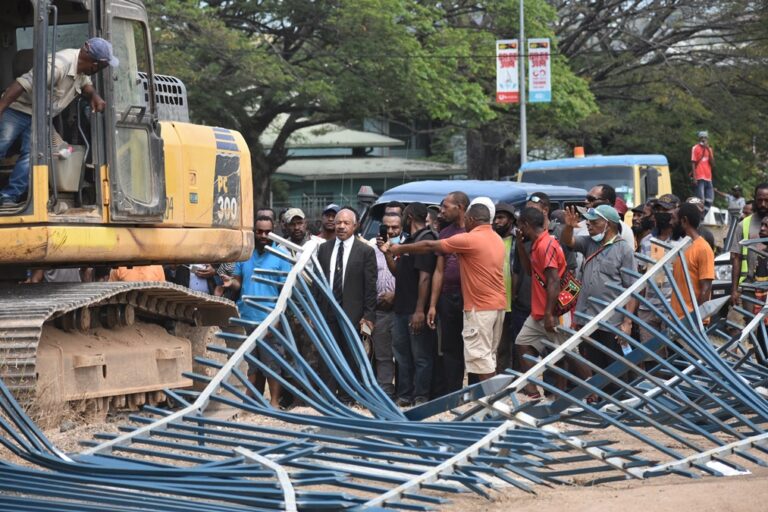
[689, 405]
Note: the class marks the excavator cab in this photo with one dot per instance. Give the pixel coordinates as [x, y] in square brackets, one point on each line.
[136, 184]
[83, 150]
[159, 189]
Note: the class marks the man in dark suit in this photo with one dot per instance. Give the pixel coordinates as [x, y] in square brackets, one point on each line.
[349, 265]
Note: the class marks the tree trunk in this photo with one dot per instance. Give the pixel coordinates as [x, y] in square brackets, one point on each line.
[485, 153]
[261, 172]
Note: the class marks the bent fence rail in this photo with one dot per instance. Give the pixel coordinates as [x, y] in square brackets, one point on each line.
[687, 399]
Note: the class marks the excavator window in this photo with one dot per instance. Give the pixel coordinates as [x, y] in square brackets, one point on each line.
[135, 171]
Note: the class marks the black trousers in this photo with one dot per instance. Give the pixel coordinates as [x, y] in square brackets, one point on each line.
[325, 373]
[449, 368]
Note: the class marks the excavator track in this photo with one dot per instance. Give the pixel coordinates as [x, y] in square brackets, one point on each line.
[96, 326]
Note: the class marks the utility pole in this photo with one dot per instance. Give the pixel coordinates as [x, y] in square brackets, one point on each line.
[523, 57]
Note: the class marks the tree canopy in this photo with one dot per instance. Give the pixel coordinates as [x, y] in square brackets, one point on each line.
[629, 76]
[247, 63]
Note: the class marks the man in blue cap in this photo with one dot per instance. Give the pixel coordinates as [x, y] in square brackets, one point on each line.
[73, 68]
[606, 252]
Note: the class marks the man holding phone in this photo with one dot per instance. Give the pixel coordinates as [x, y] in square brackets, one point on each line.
[389, 230]
[412, 341]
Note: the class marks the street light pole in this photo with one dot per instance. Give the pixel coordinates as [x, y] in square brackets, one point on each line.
[523, 57]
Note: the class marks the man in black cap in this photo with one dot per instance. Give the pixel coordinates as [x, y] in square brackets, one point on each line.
[73, 68]
[503, 222]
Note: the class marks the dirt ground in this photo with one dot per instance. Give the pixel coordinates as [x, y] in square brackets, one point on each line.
[748, 493]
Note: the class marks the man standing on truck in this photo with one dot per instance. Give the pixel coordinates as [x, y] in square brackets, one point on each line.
[702, 164]
[73, 67]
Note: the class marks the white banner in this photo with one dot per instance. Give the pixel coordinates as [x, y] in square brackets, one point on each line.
[507, 73]
[539, 71]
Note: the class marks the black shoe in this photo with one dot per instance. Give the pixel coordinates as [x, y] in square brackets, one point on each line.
[403, 402]
[419, 400]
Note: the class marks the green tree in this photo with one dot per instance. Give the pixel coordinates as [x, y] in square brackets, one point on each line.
[493, 144]
[247, 64]
[661, 71]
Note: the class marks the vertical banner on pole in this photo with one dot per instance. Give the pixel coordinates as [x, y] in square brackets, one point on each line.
[539, 71]
[507, 75]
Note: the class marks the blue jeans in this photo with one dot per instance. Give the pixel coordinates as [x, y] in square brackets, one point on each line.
[15, 124]
[706, 192]
[413, 353]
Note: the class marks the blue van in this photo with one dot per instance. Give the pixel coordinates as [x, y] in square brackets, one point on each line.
[432, 192]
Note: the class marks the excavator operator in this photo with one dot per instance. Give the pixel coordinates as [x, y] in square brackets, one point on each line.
[73, 67]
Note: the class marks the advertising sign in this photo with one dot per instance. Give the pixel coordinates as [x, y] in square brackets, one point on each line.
[539, 72]
[507, 73]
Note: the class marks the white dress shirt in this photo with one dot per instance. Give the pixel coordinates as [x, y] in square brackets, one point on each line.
[332, 264]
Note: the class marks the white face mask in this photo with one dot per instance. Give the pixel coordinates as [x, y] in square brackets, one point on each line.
[598, 237]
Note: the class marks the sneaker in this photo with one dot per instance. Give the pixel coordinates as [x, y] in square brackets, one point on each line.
[403, 402]
[7, 202]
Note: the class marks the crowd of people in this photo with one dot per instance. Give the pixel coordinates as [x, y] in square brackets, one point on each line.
[467, 289]
[458, 296]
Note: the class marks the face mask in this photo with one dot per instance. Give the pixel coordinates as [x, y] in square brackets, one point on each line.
[598, 237]
[501, 230]
[395, 240]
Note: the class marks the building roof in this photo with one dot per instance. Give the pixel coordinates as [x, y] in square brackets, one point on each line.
[595, 161]
[364, 167]
[329, 135]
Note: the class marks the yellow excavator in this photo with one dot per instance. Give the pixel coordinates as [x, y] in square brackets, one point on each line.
[141, 185]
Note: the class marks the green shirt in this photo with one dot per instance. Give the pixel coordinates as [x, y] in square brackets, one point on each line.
[509, 247]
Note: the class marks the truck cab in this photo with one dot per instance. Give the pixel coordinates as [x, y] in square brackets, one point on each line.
[636, 178]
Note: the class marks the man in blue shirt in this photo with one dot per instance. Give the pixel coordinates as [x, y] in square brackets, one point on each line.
[261, 259]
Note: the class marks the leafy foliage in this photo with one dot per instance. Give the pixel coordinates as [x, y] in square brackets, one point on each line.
[248, 63]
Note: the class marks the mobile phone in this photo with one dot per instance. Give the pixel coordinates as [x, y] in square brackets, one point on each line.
[365, 330]
[383, 232]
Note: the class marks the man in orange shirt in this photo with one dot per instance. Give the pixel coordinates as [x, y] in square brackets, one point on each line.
[481, 258]
[149, 273]
[699, 259]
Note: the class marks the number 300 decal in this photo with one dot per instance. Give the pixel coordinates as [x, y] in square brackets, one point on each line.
[227, 209]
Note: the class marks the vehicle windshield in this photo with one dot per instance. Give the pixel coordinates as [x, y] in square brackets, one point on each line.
[620, 178]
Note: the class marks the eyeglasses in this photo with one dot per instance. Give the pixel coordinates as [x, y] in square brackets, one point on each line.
[534, 199]
[592, 199]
